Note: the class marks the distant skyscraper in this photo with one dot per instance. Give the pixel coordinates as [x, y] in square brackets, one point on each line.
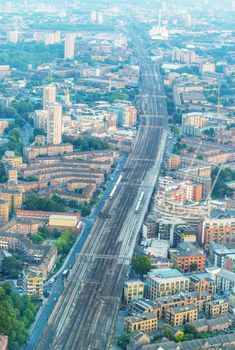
[67, 101]
[69, 46]
[159, 18]
[52, 38]
[54, 124]
[57, 37]
[13, 36]
[93, 16]
[100, 17]
[188, 20]
[233, 5]
[49, 96]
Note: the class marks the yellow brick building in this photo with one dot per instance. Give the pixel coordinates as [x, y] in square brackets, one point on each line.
[217, 307]
[133, 290]
[145, 323]
[4, 211]
[180, 315]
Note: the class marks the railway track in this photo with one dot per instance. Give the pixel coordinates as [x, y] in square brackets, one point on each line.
[87, 310]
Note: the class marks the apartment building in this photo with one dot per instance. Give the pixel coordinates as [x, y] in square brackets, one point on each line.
[163, 282]
[49, 96]
[42, 256]
[150, 229]
[10, 158]
[145, 323]
[133, 290]
[217, 230]
[202, 283]
[32, 282]
[4, 211]
[69, 46]
[188, 261]
[179, 315]
[216, 307]
[54, 124]
[40, 118]
[14, 198]
[173, 162]
[32, 152]
[225, 280]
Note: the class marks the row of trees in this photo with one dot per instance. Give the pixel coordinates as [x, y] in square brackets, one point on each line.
[18, 111]
[11, 267]
[87, 143]
[22, 54]
[65, 242]
[35, 202]
[16, 315]
[221, 188]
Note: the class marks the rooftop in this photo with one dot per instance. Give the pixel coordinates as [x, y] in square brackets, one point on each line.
[165, 273]
[180, 309]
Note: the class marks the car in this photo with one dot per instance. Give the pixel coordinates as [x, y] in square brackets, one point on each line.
[52, 281]
[123, 308]
[54, 299]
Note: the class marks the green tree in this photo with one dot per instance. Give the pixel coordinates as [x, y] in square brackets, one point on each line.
[179, 336]
[35, 202]
[123, 340]
[175, 129]
[3, 176]
[142, 264]
[193, 267]
[169, 334]
[16, 315]
[11, 267]
[65, 242]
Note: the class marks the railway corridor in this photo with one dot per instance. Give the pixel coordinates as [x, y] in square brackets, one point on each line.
[86, 312]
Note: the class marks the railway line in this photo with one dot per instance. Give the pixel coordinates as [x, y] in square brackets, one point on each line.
[86, 312]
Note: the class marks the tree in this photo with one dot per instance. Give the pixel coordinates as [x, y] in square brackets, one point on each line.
[179, 336]
[175, 129]
[65, 242]
[35, 202]
[3, 176]
[16, 315]
[169, 334]
[142, 264]
[123, 340]
[39, 131]
[193, 267]
[11, 267]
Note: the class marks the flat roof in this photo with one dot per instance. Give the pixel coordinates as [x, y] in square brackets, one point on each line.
[64, 217]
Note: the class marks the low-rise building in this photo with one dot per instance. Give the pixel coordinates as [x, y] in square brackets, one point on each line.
[217, 307]
[32, 282]
[164, 282]
[217, 230]
[133, 290]
[202, 283]
[4, 211]
[145, 323]
[189, 261]
[217, 324]
[180, 315]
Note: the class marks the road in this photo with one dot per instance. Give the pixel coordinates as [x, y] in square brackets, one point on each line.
[26, 133]
[85, 315]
